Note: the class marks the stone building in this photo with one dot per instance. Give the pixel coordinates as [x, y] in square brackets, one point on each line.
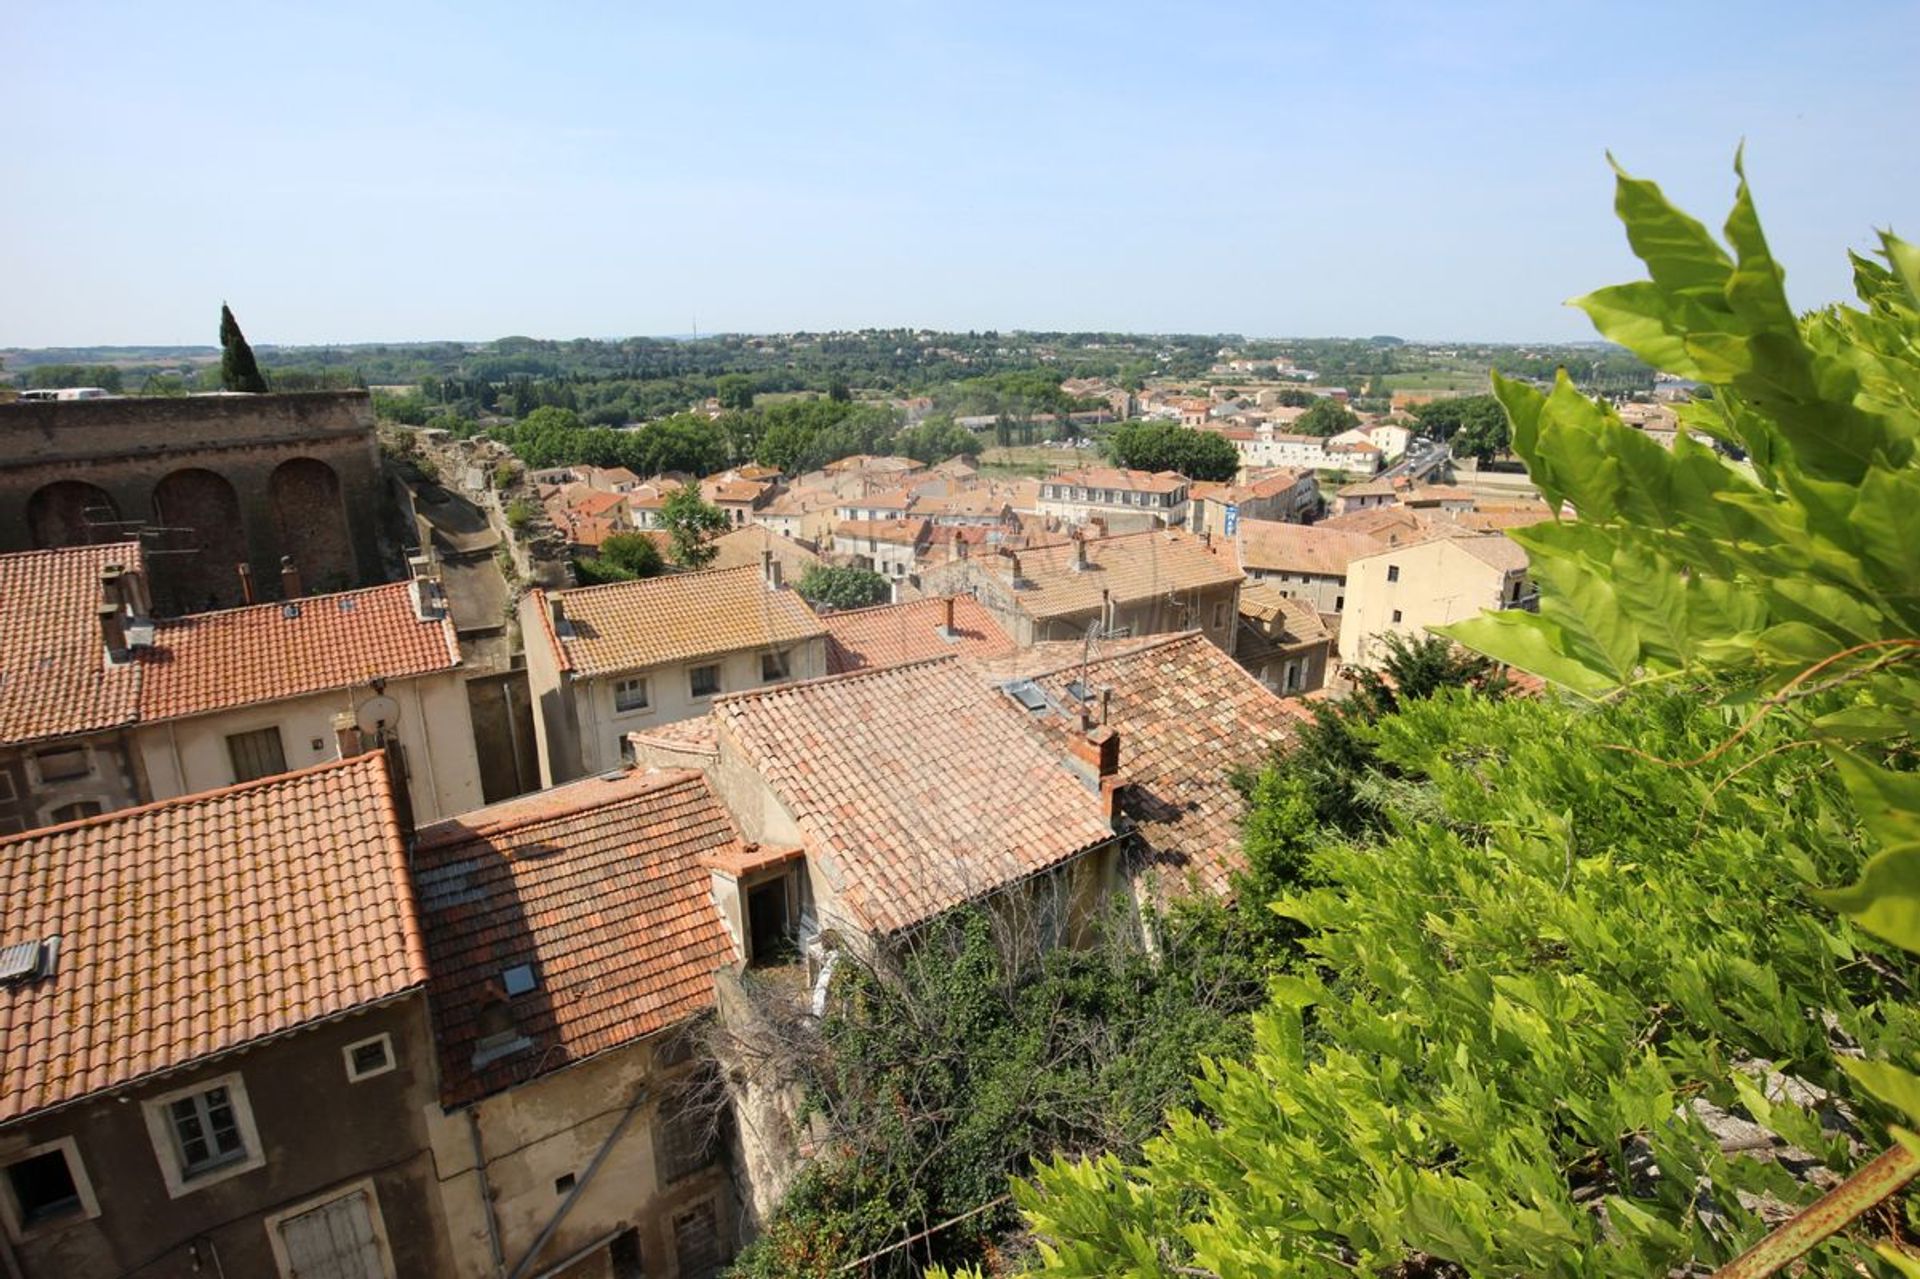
[206, 483]
[214, 1040]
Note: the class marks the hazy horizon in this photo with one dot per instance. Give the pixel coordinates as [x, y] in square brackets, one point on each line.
[365, 175]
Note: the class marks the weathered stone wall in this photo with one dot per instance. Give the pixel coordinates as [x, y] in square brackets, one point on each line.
[207, 481]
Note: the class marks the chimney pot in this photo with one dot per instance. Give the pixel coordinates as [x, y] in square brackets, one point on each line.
[246, 581]
[113, 632]
[290, 579]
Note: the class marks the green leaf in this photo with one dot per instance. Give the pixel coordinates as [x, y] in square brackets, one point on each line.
[1885, 900]
[1888, 1082]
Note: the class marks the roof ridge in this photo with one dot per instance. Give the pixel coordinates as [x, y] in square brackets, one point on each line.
[1157, 642]
[657, 578]
[47, 552]
[869, 672]
[264, 605]
[439, 834]
[204, 797]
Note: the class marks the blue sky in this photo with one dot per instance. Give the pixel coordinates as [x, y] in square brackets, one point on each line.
[349, 172]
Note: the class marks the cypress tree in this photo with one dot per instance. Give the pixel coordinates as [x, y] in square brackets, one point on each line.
[238, 371]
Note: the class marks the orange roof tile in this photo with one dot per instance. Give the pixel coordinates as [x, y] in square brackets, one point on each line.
[894, 633]
[269, 652]
[896, 532]
[629, 626]
[197, 925]
[599, 886]
[1111, 477]
[1188, 716]
[55, 680]
[1132, 566]
[1314, 549]
[917, 788]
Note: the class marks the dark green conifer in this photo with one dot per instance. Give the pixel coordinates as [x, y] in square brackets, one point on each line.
[238, 370]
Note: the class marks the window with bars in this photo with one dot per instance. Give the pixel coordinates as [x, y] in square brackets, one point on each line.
[704, 680]
[256, 754]
[684, 1135]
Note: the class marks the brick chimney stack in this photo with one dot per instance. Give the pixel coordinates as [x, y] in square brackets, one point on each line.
[113, 633]
[946, 617]
[290, 579]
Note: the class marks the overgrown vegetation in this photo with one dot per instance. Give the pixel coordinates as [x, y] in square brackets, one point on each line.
[832, 586]
[623, 557]
[1571, 1004]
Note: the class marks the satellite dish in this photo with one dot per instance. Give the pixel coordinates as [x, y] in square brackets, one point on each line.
[376, 713]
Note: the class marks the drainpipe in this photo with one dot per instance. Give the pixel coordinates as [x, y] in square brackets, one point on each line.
[486, 1192]
[566, 1205]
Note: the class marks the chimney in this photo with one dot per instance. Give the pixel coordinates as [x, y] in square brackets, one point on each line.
[557, 614]
[246, 581]
[289, 579]
[946, 617]
[110, 579]
[346, 734]
[113, 633]
[771, 571]
[1079, 552]
[420, 567]
[1014, 560]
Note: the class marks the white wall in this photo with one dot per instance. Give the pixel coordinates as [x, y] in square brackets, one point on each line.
[670, 696]
[436, 731]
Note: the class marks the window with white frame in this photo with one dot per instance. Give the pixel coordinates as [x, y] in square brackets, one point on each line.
[704, 681]
[369, 1057]
[631, 695]
[203, 1134]
[45, 1186]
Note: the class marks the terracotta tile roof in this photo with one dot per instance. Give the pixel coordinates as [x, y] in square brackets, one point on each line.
[917, 788]
[1053, 655]
[1112, 477]
[893, 500]
[1496, 550]
[732, 490]
[630, 626]
[595, 502]
[54, 677]
[242, 656]
[1389, 525]
[896, 633]
[200, 924]
[1132, 566]
[799, 501]
[743, 547]
[599, 887]
[696, 736]
[1297, 621]
[1313, 549]
[1500, 521]
[1188, 716]
[898, 532]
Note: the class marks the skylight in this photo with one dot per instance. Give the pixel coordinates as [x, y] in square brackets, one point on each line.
[518, 979]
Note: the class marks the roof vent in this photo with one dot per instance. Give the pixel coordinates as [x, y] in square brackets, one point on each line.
[28, 961]
[1028, 694]
[290, 611]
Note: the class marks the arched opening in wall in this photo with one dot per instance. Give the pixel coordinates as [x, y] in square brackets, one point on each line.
[312, 523]
[70, 513]
[197, 545]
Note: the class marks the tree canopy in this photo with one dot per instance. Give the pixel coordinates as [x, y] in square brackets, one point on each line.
[1326, 417]
[622, 558]
[1163, 446]
[1475, 425]
[691, 523]
[831, 586]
